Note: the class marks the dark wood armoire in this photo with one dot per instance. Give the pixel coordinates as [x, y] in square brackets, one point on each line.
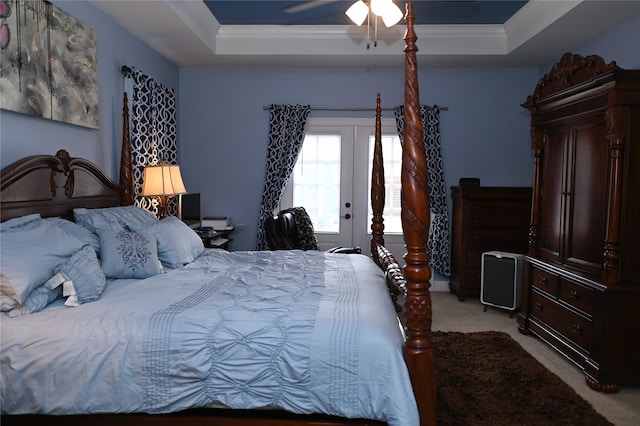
[582, 274]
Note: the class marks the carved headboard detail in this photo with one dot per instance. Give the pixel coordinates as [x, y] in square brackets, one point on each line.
[53, 185]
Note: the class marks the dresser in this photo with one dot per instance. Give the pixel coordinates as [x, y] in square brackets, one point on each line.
[581, 290]
[485, 219]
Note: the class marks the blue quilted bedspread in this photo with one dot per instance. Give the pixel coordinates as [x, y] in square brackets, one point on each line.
[309, 332]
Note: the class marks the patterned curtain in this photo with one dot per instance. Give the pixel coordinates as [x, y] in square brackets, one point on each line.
[153, 132]
[438, 243]
[287, 125]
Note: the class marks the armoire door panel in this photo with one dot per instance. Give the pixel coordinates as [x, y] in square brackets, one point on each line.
[587, 196]
[552, 197]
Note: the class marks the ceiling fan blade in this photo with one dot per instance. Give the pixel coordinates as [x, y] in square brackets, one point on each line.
[304, 5]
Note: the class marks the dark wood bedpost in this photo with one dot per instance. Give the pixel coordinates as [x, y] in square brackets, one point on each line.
[377, 187]
[126, 165]
[415, 223]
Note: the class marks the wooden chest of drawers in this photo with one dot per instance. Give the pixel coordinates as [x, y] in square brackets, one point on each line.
[485, 219]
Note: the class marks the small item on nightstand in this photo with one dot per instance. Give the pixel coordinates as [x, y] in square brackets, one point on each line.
[205, 232]
[217, 222]
[469, 181]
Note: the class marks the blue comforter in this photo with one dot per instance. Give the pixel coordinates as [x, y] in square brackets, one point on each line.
[309, 332]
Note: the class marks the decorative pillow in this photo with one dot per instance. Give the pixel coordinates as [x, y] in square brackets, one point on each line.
[28, 258]
[39, 299]
[78, 231]
[114, 218]
[19, 223]
[177, 243]
[84, 271]
[127, 254]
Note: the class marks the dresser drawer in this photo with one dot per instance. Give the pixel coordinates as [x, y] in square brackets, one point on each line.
[505, 239]
[571, 325]
[499, 215]
[577, 295]
[545, 281]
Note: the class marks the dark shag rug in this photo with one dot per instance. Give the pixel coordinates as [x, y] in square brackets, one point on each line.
[487, 378]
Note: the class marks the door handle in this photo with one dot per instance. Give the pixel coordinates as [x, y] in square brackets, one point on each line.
[347, 204]
[347, 216]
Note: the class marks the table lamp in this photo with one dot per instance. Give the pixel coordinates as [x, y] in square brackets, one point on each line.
[163, 181]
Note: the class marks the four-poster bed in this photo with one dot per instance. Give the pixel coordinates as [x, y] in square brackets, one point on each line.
[56, 185]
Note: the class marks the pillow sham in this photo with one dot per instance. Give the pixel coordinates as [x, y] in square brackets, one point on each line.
[127, 254]
[115, 218]
[84, 271]
[28, 258]
[40, 298]
[177, 243]
[19, 223]
[77, 231]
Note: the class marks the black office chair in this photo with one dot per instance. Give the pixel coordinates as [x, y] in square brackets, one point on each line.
[292, 229]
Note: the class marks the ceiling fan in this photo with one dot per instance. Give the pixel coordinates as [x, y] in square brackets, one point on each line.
[358, 11]
[304, 5]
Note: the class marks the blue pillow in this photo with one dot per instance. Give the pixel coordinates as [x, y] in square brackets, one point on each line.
[39, 299]
[114, 218]
[83, 269]
[19, 223]
[125, 254]
[28, 258]
[177, 243]
[78, 231]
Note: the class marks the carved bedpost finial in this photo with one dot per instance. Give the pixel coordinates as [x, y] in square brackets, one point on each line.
[377, 186]
[415, 223]
[126, 164]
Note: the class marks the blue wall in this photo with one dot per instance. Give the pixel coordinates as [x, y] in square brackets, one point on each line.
[485, 132]
[223, 126]
[21, 135]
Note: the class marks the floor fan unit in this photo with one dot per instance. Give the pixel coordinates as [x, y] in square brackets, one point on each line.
[501, 280]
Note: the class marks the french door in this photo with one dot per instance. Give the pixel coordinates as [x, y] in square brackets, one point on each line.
[331, 180]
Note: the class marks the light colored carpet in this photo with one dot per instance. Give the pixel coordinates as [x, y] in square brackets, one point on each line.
[622, 408]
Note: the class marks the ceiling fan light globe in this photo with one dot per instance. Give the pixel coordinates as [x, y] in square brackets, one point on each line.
[379, 7]
[358, 12]
[392, 15]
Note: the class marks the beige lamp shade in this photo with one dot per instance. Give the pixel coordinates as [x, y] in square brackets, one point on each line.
[163, 179]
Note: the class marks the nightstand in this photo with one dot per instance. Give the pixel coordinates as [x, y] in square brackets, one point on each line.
[217, 239]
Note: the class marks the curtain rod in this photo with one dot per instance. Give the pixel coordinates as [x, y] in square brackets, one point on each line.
[351, 109]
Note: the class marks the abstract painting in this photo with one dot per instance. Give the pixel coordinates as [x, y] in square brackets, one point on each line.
[48, 63]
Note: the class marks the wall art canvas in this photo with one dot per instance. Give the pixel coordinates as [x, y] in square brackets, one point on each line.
[48, 63]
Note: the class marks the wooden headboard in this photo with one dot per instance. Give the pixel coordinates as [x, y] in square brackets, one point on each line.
[53, 185]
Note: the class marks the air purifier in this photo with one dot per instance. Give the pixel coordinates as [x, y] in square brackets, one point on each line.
[501, 280]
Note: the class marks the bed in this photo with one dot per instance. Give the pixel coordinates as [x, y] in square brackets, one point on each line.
[204, 336]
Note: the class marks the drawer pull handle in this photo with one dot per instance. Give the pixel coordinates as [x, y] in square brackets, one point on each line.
[577, 329]
[538, 306]
[573, 294]
[543, 281]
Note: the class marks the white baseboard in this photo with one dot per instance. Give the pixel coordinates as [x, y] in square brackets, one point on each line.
[439, 282]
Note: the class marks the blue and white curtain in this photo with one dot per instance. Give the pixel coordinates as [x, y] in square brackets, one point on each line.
[287, 125]
[438, 247]
[153, 132]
